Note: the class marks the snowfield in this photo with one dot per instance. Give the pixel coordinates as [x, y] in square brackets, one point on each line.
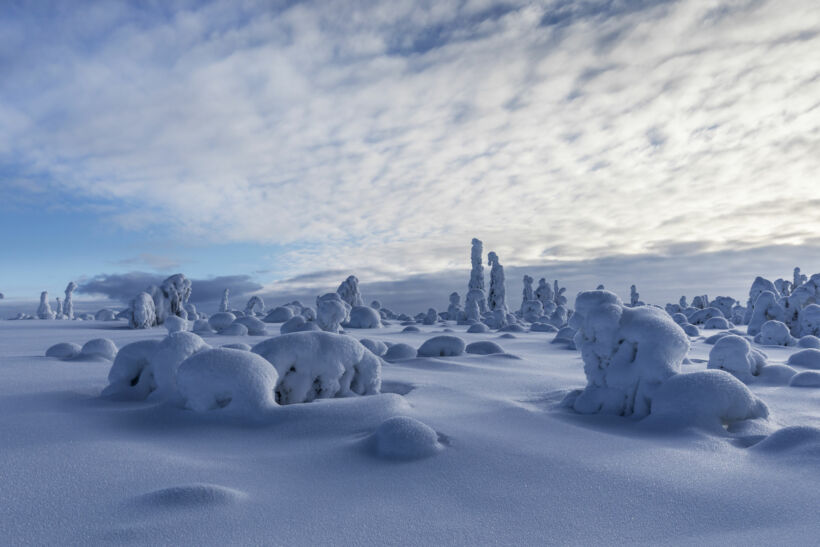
[471, 449]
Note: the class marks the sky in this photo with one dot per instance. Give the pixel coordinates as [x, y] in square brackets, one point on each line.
[281, 146]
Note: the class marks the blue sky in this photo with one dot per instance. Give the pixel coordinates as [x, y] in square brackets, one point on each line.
[279, 139]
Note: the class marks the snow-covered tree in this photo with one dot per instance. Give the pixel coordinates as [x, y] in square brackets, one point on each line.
[472, 306]
[477, 272]
[532, 310]
[224, 304]
[496, 298]
[559, 298]
[454, 310]
[143, 312]
[68, 303]
[331, 312]
[44, 311]
[170, 297]
[527, 294]
[545, 295]
[58, 313]
[255, 305]
[634, 297]
[799, 278]
[349, 291]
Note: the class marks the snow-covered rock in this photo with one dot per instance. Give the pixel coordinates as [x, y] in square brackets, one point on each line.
[542, 327]
[377, 347]
[232, 381]
[175, 324]
[809, 341]
[808, 378]
[628, 353]
[717, 323]
[165, 361]
[478, 328]
[320, 365]
[279, 314]
[202, 326]
[105, 314]
[234, 329]
[442, 346]
[297, 323]
[735, 355]
[255, 326]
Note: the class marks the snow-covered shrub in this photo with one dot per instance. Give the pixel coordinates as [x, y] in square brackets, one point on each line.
[725, 304]
[736, 356]
[478, 328]
[808, 378]
[175, 324]
[532, 310]
[131, 375]
[233, 381]
[472, 308]
[105, 314]
[679, 318]
[221, 320]
[484, 347]
[68, 303]
[809, 341]
[558, 294]
[700, 302]
[559, 317]
[703, 315]
[297, 323]
[430, 317]
[279, 314]
[512, 327]
[798, 278]
[634, 297]
[397, 352]
[319, 365]
[349, 291]
[544, 294]
[442, 346]
[377, 347]
[235, 329]
[717, 323]
[99, 348]
[708, 399]
[776, 375]
[331, 312]
[454, 311]
[542, 327]
[496, 296]
[143, 312]
[44, 311]
[405, 438]
[255, 306]
[809, 321]
[690, 330]
[376, 305]
[255, 326]
[775, 333]
[171, 296]
[628, 353]
[411, 328]
[476, 285]
[165, 361]
[759, 285]
[364, 317]
[565, 335]
[64, 351]
[202, 326]
[766, 308]
[224, 304]
[806, 358]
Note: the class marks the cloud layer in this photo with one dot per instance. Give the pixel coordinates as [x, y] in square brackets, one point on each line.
[382, 136]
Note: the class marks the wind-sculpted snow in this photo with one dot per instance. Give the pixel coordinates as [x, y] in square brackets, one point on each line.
[44, 311]
[131, 376]
[320, 365]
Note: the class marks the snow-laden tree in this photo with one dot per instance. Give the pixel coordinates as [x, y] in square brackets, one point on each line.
[545, 295]
[224, 304]
[531, 310]
[430, 317]
[171, 296]
[44, 311]
[766, 308]
[454, 310]
[528, 293]
[496, 299]
[349, 291]
[255, 306]
[58, 313]
[682, 302]
[68, 303]
[560, 299]
[799, 278]
[634, 297]
[331, 312]
[143, 312]
[477, 272]
[472, 306]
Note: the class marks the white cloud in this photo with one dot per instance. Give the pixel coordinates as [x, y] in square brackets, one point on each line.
[603, 132]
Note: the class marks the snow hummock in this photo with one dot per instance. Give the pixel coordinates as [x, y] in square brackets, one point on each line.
[806, 358]
[99, 349]
[442, 346]
[64, 350]
[131, 376]
[320, 365]
[483, 347]
[363, 317]
[331, 312]
[735, 355]
[221, 320]
[405, 438]
[400, 351]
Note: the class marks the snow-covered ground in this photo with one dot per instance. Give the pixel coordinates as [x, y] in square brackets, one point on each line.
[510, 465]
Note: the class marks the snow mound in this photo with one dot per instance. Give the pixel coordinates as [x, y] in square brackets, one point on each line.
[237, 382]
[708, 399]
[165, 362]
[809, 341]
[237, 345]
[99, 348]
[478, 328]
[331, 312]
[628, 353]
[809, 378]
[235, 329]
[542, 327]
[397, 352]
[411, 328]
[143, 314]
[774, 333]
[64, 350]
[735, 355]
[131, 376]
[221, 320]
[377, 347]
[405, 438]
[320, 365]
[202, 326]
[174, 323]
[806, 358]
[512, 328]
[279, 315]
[776, 375]
[256, 327]
[717, 323]
[297, 323]
[484, 347]
[363, 317]
[442, 346]
[795, 440]
[191, 495]
[105, 314]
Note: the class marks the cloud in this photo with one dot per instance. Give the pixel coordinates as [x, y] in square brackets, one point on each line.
[157, 262]
[384, 135]
[124, 287]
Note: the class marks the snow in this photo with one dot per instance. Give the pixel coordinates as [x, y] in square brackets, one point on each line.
[165, 361]
[735, 355]
[64, 350]
[221, 320]
[442, 346]
[774, 333]
[331, 312]
[99, 349]
[405, 438]
[348, 291]
[320, 365]
[483, 347]
[511, 466]
[400, 351]
[255, 326]
[44, 311]
[143, 312]
[808, 378]
[363, 317]
[806, 358]
[297, 323]
[175, 324]
[229, 381]
[279, 314]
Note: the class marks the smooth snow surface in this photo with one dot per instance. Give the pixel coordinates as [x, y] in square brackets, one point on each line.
[511, 466]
